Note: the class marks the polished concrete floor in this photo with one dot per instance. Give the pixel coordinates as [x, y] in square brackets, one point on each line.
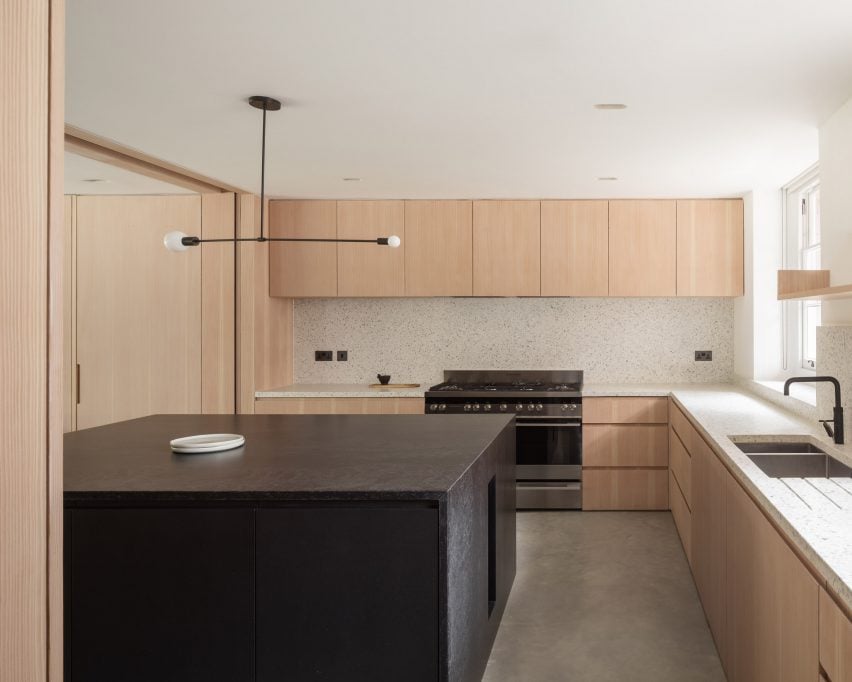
[599, 597]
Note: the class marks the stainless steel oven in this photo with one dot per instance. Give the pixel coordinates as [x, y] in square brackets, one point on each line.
[549, 462]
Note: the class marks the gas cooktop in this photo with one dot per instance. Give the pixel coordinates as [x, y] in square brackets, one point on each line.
[509, 383]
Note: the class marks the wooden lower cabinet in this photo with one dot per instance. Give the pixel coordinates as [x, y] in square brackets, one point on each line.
[339, 406]
[625, 445]
[680, 463]
[682, 516]
[626, 410]
[625, 489]
[835, 640]
[772, 600]
[708, 538]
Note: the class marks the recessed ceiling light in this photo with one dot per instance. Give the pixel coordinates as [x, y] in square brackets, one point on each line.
[610, 106]
[351, 179]
[608, 178]
[94, 180]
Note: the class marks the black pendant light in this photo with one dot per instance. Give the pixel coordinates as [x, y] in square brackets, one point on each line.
[179, 241]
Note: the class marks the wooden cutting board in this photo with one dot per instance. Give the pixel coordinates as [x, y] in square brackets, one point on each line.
[394, 385]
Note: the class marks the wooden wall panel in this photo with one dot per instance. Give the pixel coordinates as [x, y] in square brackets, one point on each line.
[69, 317]
[574, 248]
[31, 344]
[138, 308]
[265, 331]
[218, 216]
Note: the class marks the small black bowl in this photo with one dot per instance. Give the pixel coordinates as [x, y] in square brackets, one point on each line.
[383, 378]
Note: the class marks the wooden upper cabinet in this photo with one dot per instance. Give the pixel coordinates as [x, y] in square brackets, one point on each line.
[301, 270]
[642, 248]
[574, 248]
[710, 247]
[365, 269]
[506, 248]
[438, 248]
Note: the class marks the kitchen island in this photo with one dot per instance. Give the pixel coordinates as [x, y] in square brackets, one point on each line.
[326, 548]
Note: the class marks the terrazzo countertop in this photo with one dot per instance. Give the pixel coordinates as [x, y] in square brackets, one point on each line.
[648, 390]
[815, 513]
[340, 391]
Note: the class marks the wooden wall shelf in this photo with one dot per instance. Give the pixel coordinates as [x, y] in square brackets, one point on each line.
[795, 285]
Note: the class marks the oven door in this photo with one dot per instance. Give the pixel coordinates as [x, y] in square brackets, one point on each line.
[549, 448]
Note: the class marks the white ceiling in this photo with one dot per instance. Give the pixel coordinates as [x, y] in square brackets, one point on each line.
[86, 176]
[475, 98]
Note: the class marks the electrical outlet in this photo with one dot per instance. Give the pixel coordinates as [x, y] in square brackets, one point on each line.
[342, 355]
[323, 356]
[703, 355]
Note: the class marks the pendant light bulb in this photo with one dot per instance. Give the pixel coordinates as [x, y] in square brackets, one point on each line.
[394, 241]
[173, 241]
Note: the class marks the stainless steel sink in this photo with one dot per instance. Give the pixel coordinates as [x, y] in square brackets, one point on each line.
[793, 459]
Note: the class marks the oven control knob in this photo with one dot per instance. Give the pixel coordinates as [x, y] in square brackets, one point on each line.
[487, 407]
[442, 407]
[476, 407]
[433, 407]
[539, 407]
[519, 407]
[530, 407]
[503, 407]
[564, 407]
[467, 407]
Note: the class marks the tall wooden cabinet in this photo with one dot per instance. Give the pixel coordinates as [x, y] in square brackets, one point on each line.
[574, 248]
[506, 248]
[642, 248]
[363, 269]
[438, 248]
[303, 269]
[710, 247]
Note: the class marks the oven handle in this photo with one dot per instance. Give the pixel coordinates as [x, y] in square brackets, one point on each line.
[549, 425]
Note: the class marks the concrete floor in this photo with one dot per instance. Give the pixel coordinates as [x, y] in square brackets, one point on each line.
[602, 596]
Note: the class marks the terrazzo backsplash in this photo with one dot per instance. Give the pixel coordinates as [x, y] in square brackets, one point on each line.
[834, 358]
[614, 340]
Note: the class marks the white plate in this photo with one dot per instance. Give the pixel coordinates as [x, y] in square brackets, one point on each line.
[207, 442]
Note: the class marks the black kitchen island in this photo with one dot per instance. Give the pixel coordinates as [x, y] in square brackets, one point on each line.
[339, 548]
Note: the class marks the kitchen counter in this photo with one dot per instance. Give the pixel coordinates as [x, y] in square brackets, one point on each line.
[326, 544]
[815, 515]
[340, 391]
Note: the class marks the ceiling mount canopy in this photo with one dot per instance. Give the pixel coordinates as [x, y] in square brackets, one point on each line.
[180, 241]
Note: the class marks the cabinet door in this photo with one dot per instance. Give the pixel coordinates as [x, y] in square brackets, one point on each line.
[159, 594]
[301, 270]
[708, 537]
[368, 270]
[506, 248]
[438, 248]
[835, 640]
[642, 248]
[772, 600]
[710, 247]
[574, 248]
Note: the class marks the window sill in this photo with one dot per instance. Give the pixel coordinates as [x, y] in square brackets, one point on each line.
[802, 392]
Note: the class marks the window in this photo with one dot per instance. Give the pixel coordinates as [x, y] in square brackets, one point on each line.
[802, 251]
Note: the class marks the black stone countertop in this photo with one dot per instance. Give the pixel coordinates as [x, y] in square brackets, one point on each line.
[284, 457]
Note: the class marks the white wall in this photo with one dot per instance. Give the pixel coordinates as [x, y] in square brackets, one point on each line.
[758, 350]
[612, 339]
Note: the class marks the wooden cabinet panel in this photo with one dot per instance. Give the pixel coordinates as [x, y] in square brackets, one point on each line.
[339, 406]
[626, 410]
[625, 489]
[709, 480]
[710, 247]
[138, 308]
[625, 445]
[681, 465]
[574, 248]
[772, 600]
[301, 270]
[681, 515]
[438, 248]
[365, 269]
[642, 248]
[506, 248]
[835, 640]
[684, 429]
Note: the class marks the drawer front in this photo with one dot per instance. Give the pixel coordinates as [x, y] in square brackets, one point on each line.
[628, 410]
[688, 435]
[339, 406]
[835, 640]
[625, 445]
[625, 489]
[682, 516]
[680, 463]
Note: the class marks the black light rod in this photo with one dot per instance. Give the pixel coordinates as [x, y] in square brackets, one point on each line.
[193, 241]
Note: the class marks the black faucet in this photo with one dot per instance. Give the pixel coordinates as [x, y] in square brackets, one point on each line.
[837, 431]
